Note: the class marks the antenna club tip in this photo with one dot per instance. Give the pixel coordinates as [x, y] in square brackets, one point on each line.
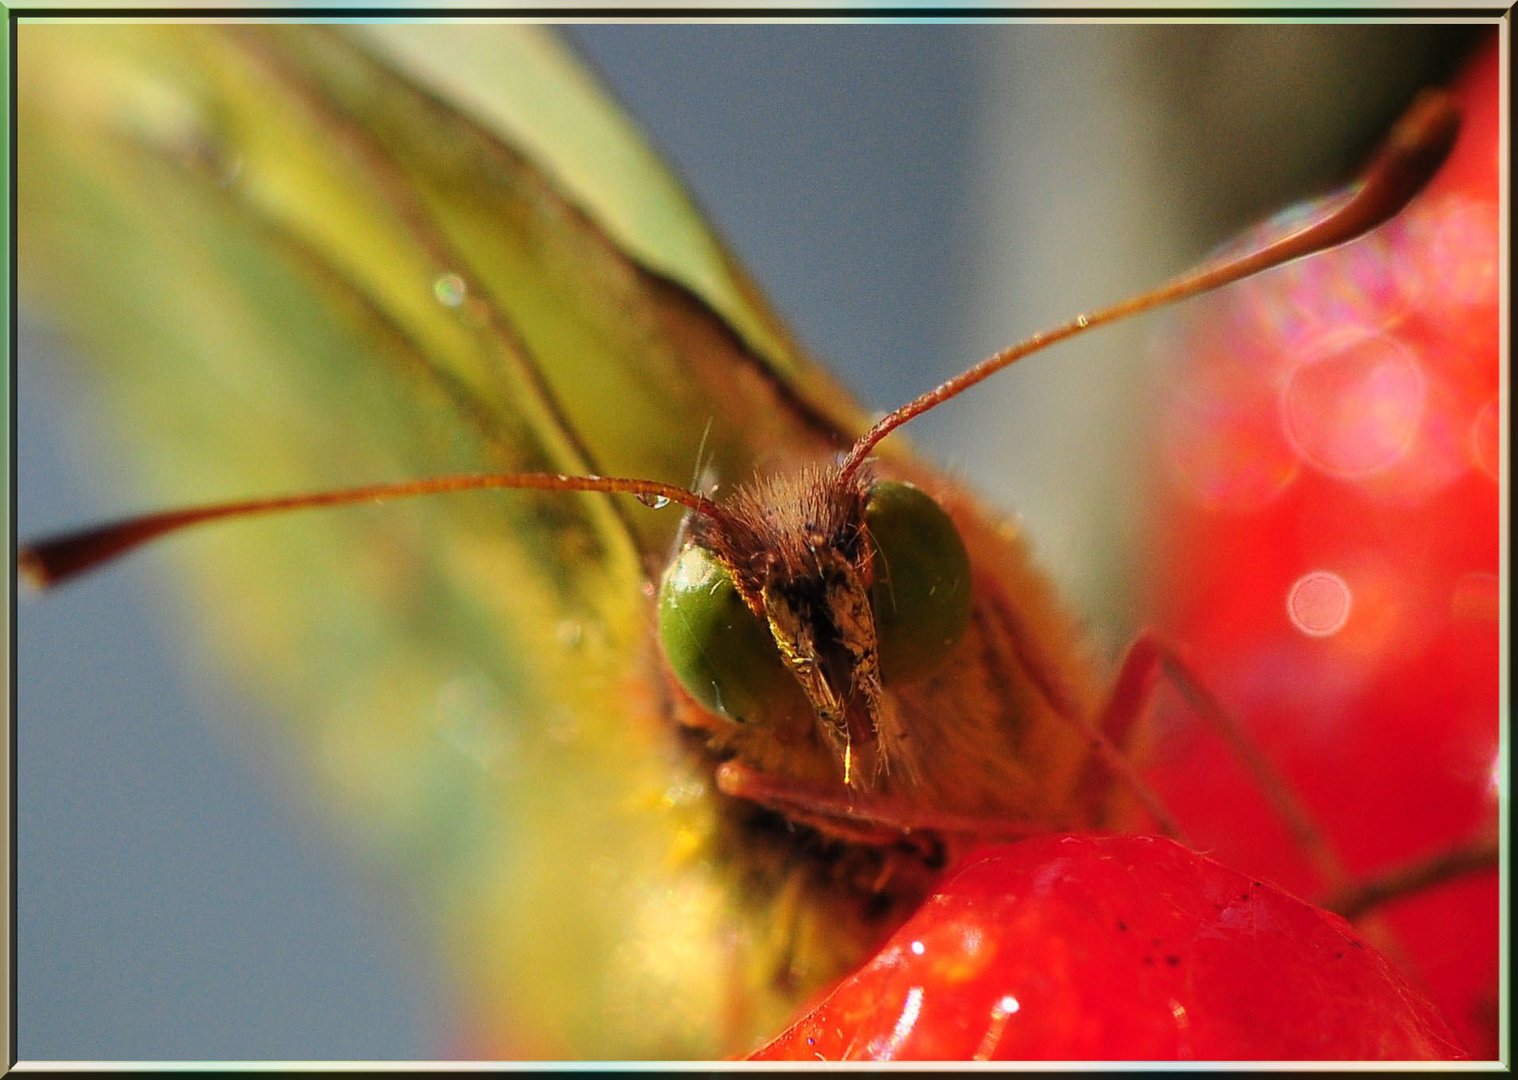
[1432, 120]
[1434, 106]
[33, 569]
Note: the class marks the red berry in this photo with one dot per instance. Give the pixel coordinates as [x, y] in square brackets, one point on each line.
[1087, 947]
[1330, 559]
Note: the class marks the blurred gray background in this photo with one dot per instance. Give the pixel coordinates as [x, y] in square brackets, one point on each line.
[913, 197]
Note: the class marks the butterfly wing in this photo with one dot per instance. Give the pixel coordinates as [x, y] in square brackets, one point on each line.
[299, 270]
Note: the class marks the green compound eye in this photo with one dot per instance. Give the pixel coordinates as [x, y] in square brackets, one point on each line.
[726, 657]
[721, 652]
[921, 593]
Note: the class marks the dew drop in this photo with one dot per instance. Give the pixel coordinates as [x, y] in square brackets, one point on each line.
[450, 290]
[1318, 603]
[653, 502]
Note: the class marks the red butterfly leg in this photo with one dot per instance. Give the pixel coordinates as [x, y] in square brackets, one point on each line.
[1147, 661]
[864, 818]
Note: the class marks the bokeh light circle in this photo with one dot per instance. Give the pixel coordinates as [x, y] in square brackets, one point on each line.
[1354, 404]
[1318, 603]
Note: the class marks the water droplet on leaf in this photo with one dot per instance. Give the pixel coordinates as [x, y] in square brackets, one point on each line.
[450, 290]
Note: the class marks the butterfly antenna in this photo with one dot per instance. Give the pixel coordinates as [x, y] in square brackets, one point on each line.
[1413, 152]
[58, 558]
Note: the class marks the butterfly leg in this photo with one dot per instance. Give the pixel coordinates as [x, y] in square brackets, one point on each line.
[863, 818]
[1479, 855]
[1360, 898]
[1105, 734]
[1148, 660]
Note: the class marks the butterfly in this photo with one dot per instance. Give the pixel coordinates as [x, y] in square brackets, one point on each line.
[570, 634]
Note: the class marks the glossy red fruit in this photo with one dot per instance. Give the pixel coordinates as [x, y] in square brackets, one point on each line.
[1087, 947]
[1329, 559]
